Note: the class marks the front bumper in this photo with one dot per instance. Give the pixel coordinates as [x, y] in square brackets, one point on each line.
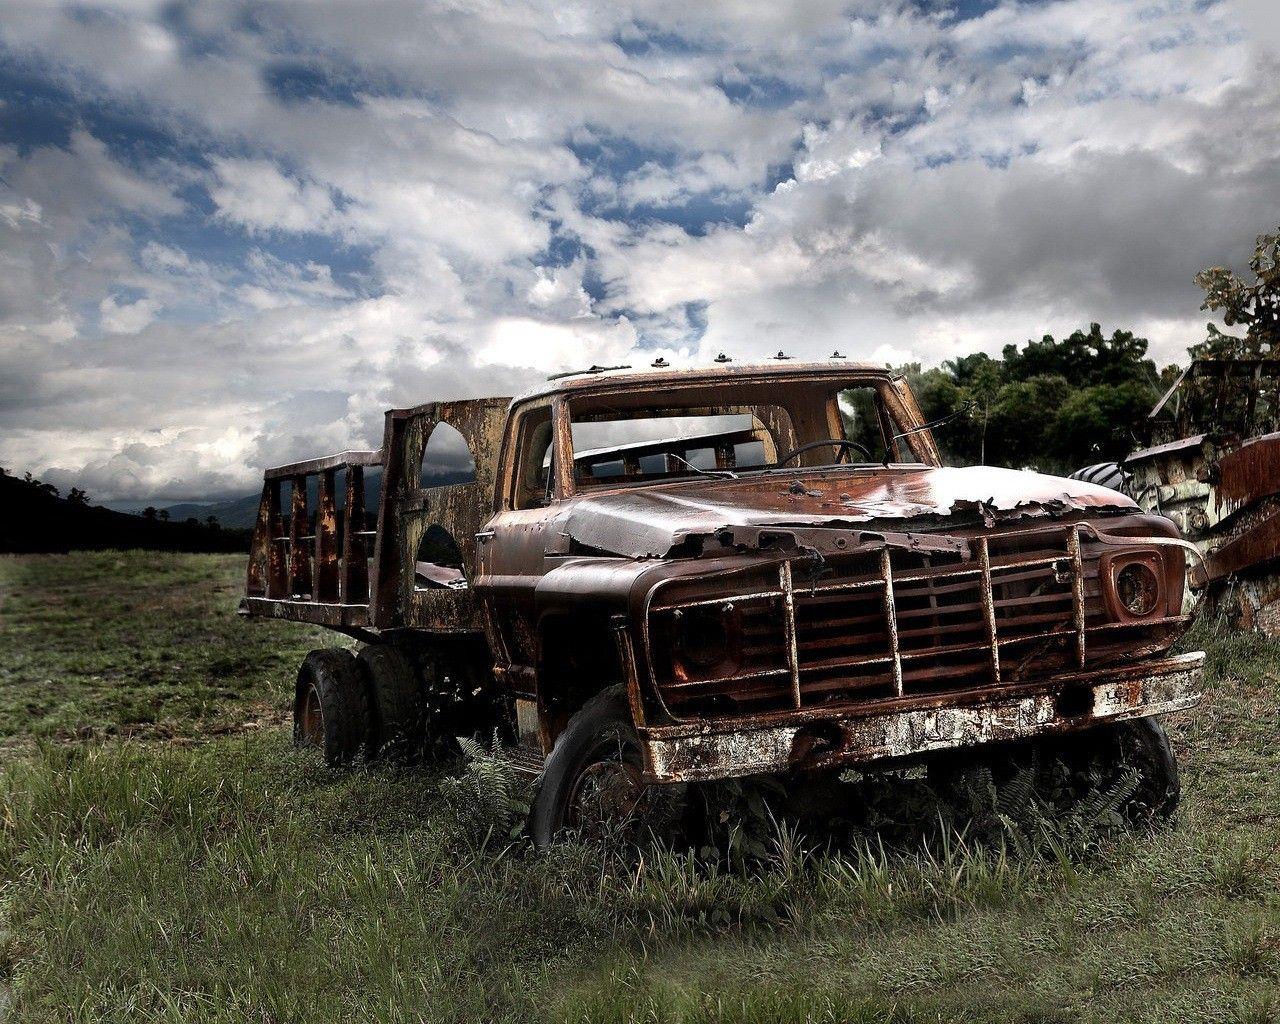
[814, 739]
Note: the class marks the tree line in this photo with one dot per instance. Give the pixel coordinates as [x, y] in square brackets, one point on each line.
[1059, 404]
[39, 519]
[1053, 405]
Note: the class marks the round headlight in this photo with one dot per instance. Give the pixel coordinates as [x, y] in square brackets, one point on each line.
[1138, 589]
[707, 642]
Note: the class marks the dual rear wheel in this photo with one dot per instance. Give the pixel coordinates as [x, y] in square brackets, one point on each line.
[374, 705]
[371, 705]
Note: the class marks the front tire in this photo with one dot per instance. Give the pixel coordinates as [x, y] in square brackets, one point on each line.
[331, 706]
[593, 778]
[1142, 745]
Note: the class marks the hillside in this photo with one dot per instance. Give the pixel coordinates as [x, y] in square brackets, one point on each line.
[37, 519]
[239, 513]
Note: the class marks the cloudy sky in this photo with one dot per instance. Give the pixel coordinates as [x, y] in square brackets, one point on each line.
[232, 234]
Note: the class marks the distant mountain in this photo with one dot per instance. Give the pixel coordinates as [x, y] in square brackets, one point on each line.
[242, 513]
[36, 519]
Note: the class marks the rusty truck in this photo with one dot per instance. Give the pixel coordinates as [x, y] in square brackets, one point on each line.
[642, 578]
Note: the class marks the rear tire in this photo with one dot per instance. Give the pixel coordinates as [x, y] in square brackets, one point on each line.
[397, 712]
[331, 706]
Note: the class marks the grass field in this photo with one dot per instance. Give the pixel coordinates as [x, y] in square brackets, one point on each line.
[165, 856]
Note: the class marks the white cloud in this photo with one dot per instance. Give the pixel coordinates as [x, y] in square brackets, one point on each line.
[256, 195]
[899, 185]
[520, 341]
[128, 317]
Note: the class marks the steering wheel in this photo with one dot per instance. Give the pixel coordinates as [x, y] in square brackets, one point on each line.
[835, 442]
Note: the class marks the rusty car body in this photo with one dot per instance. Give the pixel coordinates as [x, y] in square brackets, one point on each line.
[1216, 473]
[758, 613]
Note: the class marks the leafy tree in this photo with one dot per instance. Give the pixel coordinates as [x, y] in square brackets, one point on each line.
[1226, 403]
[1101, 423]
[149, 512]
[77, 497]
[1019, 428]
[1255, 307]
[1084, 358]
[164, 515]
[1051, 405]
[49, 489]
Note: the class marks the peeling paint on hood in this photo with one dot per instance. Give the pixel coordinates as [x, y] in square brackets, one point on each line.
[653, 521]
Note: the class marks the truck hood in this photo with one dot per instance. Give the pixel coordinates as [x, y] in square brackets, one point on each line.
[662, 519]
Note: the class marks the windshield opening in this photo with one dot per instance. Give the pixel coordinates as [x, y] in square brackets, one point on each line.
[619, 440]
[613, 448]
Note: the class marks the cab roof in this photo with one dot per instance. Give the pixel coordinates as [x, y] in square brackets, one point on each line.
[627, 378]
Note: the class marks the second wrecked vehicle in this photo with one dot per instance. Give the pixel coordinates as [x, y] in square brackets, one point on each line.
[1215, 473]
[684, 575]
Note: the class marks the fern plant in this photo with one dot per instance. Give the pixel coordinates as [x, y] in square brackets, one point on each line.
[490, 798]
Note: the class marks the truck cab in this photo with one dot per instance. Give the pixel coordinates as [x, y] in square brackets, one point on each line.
[673, 576]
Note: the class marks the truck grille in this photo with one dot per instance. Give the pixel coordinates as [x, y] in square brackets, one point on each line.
[894, 624]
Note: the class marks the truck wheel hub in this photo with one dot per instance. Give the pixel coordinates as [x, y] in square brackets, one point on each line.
[606, 792]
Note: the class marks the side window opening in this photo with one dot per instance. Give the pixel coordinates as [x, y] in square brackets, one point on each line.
[438, 563]
[446, 458]
[861, 414]
[446, 461]
[533, 460]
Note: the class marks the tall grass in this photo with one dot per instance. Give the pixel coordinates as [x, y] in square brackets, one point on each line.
[236, 881]
[233, 880]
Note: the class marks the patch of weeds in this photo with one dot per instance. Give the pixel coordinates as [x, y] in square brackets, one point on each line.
[489, 797]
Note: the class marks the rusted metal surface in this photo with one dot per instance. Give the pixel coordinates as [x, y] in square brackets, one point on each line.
[1249, 549]
[1220, 483]
[988, 612]
[656, 521]
[905, 624]
[789, 631]
[326, 540]
[339, 461]
[1078, 613]
[875, 733]
[308, 611]
[762, 603]
[408, 510]
[330, 565]
[1247, 474]
[354, 569]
